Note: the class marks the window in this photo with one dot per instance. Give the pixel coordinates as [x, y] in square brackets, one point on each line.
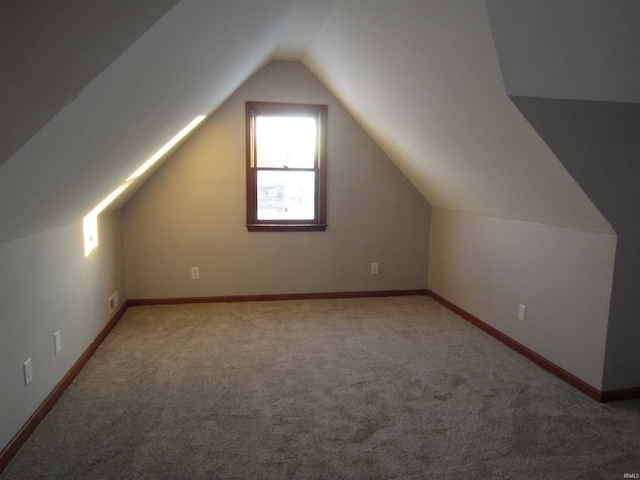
[286, 167]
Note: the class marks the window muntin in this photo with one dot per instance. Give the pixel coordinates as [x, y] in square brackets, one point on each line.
[286, 166]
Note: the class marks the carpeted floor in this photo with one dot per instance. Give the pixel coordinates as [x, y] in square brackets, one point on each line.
[375, 388]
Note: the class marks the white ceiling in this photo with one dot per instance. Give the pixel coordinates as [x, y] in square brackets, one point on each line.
[424, 81]
[51, 50]
[422, 77]
[573, 49]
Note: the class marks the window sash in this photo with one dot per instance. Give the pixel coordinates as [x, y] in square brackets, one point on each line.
[286, 195]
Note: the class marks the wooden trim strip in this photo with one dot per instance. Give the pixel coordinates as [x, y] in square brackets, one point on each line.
[274, 297]
[288, 227]
[521, 349]
[27, 429]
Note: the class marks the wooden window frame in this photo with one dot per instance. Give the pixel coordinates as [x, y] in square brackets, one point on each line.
[319, 222]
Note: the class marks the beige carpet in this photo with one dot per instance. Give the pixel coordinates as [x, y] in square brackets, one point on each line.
[389, 388]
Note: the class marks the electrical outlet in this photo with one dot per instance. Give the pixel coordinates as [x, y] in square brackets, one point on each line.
[195, 273]
[28, 372]
[57, 342]
[374, 268]
[522, 312]
[113, 301]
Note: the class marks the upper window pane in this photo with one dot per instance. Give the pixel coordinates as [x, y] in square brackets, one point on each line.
[286, 142]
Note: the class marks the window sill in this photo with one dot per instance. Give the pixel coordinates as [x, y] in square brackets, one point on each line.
[279, 227]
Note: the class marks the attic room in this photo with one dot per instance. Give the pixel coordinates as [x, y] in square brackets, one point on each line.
[483, 152]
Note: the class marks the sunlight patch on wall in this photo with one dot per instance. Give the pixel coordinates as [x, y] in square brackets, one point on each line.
[90, 222]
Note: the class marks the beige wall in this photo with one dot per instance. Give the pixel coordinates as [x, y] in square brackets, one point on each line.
[192, 212]
[47, 285]
[488, 266]
[599, 145]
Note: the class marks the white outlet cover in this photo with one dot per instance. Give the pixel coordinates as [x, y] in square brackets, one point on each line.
[522, 312]
[28, 372]
[113, 301]
[57, 341]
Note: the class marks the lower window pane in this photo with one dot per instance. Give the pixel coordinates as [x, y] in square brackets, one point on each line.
[286, 195]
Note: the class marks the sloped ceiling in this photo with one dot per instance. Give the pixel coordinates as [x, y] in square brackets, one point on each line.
[186, 65]
[423, 79]
[421, 76]
[573, 49]
[52, 50]
[573, 69]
